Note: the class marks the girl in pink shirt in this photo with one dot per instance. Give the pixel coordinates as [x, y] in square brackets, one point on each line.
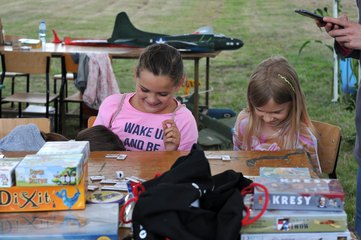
[150, 118]
[276, 117]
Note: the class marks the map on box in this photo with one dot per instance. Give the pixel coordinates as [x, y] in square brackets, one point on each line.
[300, 194]
[285, 172]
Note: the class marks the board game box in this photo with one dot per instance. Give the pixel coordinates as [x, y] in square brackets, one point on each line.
[7, 171]
[96, 221]
[285, 172]
[300, 194]
[43, 198]
[66, 147]
[298, 236]
[275, 221]
[50, 170]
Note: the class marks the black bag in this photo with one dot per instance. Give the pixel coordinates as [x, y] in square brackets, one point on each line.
[187, 202]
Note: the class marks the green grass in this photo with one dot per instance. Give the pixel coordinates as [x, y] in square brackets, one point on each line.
[266, 27]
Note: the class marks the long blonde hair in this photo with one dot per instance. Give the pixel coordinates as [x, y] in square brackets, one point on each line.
[274, 78]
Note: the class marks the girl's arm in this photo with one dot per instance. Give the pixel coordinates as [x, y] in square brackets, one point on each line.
[238, 131]
[309, 144]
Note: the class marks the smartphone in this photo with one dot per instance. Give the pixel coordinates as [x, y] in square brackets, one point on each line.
[310, 14]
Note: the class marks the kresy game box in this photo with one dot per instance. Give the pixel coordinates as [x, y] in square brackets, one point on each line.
[300, 194]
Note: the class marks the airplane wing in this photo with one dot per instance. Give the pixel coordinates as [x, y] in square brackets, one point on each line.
[98, 43]
[190, 46]
[124, 40]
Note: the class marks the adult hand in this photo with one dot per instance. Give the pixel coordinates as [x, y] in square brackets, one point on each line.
[329, 25]
[171, 135]
[347, 33]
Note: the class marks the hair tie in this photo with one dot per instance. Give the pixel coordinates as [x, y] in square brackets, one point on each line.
[285, 79]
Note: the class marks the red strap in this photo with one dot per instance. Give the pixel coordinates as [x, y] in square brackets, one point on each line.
[250, 189]
[122, 210]
[137, 189]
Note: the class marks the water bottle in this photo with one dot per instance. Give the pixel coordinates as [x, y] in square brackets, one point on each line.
[42, 33]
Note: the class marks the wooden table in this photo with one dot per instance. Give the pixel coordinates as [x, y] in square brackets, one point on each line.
[132, 53]
[147, 164]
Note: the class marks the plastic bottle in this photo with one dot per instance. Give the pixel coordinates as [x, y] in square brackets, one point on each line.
[42, 33]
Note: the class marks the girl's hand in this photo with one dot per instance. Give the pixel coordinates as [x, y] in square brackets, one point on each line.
[171, 135]
[274, 147]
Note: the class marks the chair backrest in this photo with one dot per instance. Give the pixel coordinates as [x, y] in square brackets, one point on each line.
[7, 124]
[70, 65]
[26, 62]
[91, 121]
[328, 146]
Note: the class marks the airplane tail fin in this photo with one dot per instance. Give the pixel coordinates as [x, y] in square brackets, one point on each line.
[124, 29]
[56, 37]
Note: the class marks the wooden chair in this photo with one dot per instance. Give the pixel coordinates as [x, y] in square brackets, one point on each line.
[328, 146]
[7, 124]
[69, 67]
[91, 121]
[70, 76]
[32, 63]
[13, 75]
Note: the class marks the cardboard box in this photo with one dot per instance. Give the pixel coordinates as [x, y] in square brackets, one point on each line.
[300, 194]
[50, 170]
[282, 221]
[298, 236]
[65, 147]
[45, 198]
[284, 172]
[7, 171]
[97, 221]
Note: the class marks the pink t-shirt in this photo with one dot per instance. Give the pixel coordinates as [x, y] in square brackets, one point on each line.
[140, 131]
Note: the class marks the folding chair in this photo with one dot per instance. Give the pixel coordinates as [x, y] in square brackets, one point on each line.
[69, 68]
[72, 69]
[37, 63]
[8, 124]
[13, 75]
[328, 146]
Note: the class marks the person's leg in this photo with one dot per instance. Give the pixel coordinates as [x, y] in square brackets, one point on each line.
[358, 203]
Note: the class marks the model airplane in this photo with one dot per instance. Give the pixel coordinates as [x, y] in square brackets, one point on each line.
[126, 35]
